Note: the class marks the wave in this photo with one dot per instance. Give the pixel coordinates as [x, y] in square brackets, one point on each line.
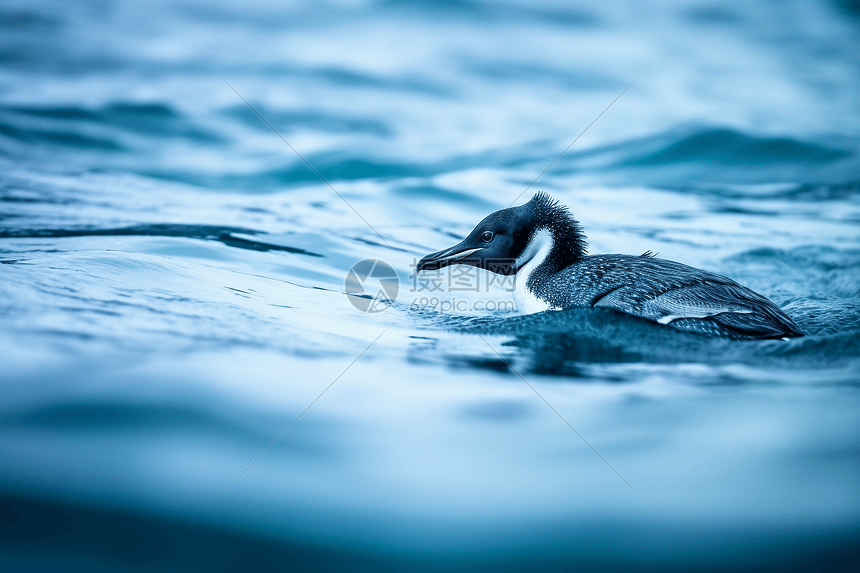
[712, 155]
[100, 128]
[732, 148]
[225, 235]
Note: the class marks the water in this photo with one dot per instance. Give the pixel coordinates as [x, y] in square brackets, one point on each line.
[172, 286]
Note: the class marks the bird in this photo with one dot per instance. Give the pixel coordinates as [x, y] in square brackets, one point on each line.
[543, 245]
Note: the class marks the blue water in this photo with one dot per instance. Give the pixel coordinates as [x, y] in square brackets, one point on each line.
[172, 286]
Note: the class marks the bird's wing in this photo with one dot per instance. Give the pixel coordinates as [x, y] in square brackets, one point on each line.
[709, 298]
[681, 302]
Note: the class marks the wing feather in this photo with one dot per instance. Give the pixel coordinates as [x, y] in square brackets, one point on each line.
[691, 299]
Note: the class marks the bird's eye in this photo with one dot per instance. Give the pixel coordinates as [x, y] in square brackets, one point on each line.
[487, 236]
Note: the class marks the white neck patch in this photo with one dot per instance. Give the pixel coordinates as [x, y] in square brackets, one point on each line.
[531, 258]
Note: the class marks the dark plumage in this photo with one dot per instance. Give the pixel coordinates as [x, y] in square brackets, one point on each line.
[667, 292]
[543, 241]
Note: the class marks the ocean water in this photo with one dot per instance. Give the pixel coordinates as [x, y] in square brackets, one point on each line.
[172, 286]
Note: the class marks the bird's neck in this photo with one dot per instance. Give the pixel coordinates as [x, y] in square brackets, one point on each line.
[538, 259]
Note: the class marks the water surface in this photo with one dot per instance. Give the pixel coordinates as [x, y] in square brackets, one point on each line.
[172, 286]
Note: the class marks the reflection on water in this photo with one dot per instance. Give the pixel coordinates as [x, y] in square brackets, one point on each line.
[171, 293]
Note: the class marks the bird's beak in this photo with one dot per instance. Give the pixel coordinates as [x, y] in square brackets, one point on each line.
[456, 254]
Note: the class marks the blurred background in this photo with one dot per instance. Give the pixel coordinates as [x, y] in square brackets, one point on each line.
[172, 285]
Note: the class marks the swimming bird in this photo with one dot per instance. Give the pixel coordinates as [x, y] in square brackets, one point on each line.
[543, 245]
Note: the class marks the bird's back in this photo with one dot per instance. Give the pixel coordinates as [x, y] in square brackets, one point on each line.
[666, 292]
